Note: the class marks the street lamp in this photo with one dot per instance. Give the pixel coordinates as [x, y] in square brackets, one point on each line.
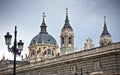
[14, 49]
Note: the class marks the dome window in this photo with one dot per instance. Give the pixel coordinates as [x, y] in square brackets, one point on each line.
[49, 52]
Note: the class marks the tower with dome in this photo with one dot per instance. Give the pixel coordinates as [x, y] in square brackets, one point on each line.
[67, 37]
[43, 45]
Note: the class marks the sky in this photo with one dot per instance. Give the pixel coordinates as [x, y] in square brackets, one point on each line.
[86, 18]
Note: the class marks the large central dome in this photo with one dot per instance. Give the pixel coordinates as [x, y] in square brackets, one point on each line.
[43, 36]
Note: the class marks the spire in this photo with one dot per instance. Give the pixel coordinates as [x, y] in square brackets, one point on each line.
[67, 25]
[105, 31]
[67, 20]
[43, 25]
[104, 19]
[105, 27]
[105, 38]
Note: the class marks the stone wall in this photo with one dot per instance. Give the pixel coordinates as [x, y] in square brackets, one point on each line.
[104, 60]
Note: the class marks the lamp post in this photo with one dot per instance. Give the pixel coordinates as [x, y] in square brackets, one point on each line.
[14, 49]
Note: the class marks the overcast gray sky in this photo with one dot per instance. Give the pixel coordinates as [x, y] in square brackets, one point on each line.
[86, 19]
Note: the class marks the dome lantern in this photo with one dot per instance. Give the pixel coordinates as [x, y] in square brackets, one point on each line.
[43, 25]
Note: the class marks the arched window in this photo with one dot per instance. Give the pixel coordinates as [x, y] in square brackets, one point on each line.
[33, 52]
[70, 40]
[49, 52]
[52, 53]
[62, 40]
[38, 51]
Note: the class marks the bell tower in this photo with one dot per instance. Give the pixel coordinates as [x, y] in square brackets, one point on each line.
[67, 37]
[105, 38]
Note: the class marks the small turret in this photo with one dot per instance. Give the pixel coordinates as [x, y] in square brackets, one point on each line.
[105, 37]
[67, 37]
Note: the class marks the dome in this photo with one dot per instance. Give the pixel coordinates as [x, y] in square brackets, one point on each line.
[43, 38]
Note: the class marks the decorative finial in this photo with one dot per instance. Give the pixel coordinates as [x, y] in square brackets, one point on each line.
[44, 15]
[104, 19]
[66, 11]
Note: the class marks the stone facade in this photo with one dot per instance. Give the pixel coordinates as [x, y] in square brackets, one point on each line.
[96, 61]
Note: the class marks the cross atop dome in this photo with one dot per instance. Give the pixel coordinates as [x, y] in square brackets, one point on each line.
[44, 15]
